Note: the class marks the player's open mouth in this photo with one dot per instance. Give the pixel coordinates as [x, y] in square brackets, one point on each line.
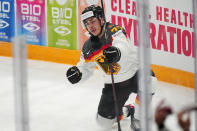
[93, 30]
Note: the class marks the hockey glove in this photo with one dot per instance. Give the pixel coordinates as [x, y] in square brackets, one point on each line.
[112, 54]
[74, 75]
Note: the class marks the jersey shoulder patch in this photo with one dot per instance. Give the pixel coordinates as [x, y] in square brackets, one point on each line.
[112, 28]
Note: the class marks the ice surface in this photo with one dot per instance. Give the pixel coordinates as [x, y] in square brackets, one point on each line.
[57, 105]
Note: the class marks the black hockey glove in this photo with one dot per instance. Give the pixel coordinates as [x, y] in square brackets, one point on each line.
[74, 75]
[112, 54]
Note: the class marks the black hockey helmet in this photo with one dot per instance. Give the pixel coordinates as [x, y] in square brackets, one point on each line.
[92, 11]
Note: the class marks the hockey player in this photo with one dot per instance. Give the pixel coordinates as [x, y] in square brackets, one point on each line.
[165, 116]
[108, 44]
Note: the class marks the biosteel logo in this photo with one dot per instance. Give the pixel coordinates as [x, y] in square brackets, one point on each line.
[31, 27]
[63, 31]
[4, 6]
[61, 2]
[62, 16]
[3, 24]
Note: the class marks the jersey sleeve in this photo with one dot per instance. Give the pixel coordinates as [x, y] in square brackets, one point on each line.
[86, 68]
[129, 58]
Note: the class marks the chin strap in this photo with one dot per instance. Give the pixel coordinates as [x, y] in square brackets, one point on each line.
[102, 27]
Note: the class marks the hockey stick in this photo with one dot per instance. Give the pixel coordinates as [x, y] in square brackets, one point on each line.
[112, 76]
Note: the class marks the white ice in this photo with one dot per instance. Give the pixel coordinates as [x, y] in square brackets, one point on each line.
[57, 105]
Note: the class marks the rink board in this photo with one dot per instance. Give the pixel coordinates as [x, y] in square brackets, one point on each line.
[71, 57]
[44, 53]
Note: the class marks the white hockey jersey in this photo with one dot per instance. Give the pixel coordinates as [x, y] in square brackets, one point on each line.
[92, 55]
